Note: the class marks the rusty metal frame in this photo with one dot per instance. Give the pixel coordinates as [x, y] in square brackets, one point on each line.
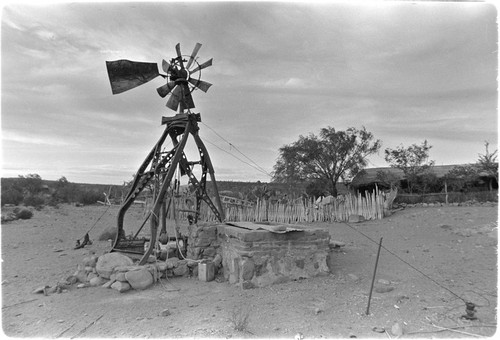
[162, 167]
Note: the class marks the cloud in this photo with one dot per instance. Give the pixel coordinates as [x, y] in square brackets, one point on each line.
[17, 137]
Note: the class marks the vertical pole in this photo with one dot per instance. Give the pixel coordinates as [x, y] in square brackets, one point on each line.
[373, 279]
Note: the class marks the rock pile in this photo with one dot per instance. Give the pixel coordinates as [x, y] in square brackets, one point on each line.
[118, 272]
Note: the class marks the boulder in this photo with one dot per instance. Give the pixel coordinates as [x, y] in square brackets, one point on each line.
[181, 269]
[172, 262]
[96, 281]
[120, 286]
[139, 279]
[108, 262]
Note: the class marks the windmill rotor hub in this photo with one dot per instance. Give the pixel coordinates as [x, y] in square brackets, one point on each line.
[183, 74]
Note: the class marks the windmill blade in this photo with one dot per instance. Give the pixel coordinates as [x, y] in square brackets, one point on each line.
[125, 74]
[165, 66]
[193, 55]
[165, 89]
[187, 100]
[175, 97]
[204, 65]
[179, 55]
[202, 85]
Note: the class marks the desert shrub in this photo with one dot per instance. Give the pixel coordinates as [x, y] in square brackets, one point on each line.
[34, 201]
[89, 197]
[240, 318]
[109, 233]
[11, 195]
[23, 213]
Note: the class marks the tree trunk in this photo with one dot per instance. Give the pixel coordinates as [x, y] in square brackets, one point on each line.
[333, 188]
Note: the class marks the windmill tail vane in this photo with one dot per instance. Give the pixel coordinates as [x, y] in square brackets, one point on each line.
[182, 79]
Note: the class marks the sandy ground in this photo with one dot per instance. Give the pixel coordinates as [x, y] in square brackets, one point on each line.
[434, 259]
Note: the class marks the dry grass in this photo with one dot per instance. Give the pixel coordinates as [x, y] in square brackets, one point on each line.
[240, 318]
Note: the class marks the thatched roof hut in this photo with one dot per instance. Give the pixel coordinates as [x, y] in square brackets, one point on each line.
[368, 177]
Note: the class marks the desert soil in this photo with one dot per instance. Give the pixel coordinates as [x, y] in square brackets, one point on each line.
[434, 259]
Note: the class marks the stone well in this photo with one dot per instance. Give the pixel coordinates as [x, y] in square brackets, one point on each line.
[257, 255]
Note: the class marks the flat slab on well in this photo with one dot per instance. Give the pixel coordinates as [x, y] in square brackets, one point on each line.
[274, 227]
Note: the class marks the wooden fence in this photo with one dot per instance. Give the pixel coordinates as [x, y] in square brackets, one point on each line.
[370, 206]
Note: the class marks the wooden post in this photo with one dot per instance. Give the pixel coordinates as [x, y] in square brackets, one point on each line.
[373, 279]
[446, 192]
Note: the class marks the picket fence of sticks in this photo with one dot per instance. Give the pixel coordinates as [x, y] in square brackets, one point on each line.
[370, 206]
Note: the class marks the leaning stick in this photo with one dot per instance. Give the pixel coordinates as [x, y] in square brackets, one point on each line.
[454, 330]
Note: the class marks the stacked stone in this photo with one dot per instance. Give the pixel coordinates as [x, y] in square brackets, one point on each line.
[203, 242]
[117, 271]
[257, 258]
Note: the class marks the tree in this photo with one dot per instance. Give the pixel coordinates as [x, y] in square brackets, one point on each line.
[31, 184]
[462, 177]
[488, 163]
[413, 161]
[332, 156]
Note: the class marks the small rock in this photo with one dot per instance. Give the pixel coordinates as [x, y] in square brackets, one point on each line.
[41, 289]
[384, 289]
[336, 244]
[96, 281]
[172, 262]
[108, 284]
[120, 276]
[82, 285]
[165, 312]
[317, 310]
[397, 329]
[353, 277]
[120, 286]
[72, 279]
[384, 282]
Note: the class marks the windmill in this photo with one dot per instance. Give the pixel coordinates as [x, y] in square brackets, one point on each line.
[183, 77]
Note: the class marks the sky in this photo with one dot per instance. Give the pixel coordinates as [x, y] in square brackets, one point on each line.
[406, 71]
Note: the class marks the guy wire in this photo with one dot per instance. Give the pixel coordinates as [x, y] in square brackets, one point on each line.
[408, 264]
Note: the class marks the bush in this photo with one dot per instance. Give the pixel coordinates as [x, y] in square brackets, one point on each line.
[88, 197]
[23, 213]
[11, 196]
[34, 201]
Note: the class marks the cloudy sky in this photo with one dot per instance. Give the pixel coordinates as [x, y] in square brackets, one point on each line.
[407, 71]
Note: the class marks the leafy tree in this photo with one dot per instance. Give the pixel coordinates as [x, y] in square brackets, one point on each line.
[413, 161]
[332, 156]
[462, 177]
[316, 188]
[489, 164]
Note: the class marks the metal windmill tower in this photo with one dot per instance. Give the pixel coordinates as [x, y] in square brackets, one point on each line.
[183, 76]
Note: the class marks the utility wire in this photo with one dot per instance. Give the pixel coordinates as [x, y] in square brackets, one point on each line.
[233, 146]
[241, 160]
[408, 264]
